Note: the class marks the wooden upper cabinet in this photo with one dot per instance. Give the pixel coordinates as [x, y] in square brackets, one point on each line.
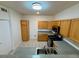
[57, 23]
[64, 27]
[25, 30]
[74, 30]
[52, 23]
[42, 24]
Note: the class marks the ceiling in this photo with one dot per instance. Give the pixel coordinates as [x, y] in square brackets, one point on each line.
[48, 7]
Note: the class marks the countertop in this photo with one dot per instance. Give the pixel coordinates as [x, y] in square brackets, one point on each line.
[48, 32]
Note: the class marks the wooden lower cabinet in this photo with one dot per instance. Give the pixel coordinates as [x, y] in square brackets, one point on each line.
[74, 30]
[42, 37]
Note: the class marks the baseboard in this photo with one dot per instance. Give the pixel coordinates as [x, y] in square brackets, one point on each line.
[13, 50]
[71, 44]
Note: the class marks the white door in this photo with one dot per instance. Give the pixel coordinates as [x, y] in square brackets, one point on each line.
[5, 39]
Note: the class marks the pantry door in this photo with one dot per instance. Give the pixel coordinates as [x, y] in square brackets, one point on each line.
[25, 30]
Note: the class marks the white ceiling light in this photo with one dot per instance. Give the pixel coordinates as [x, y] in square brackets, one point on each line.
[36, 6]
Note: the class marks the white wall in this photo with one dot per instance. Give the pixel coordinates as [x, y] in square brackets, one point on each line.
[15, 27]
[72, 12]
[4, 15]
[14, 20]
[33, 23]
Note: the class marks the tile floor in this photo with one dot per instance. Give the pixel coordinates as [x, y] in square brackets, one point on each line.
[28, 50]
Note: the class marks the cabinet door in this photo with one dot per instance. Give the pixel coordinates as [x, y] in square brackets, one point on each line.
[52, 23]
[42, 24]
[25, 30]
[64, 27]
[74, 30]
[57, 23]
[42, 37]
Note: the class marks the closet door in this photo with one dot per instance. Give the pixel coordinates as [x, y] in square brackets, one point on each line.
[25, 30]
[5, 37]
[74, 30]
[65, 27]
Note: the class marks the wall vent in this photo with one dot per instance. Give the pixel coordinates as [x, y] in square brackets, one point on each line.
[3, 9]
